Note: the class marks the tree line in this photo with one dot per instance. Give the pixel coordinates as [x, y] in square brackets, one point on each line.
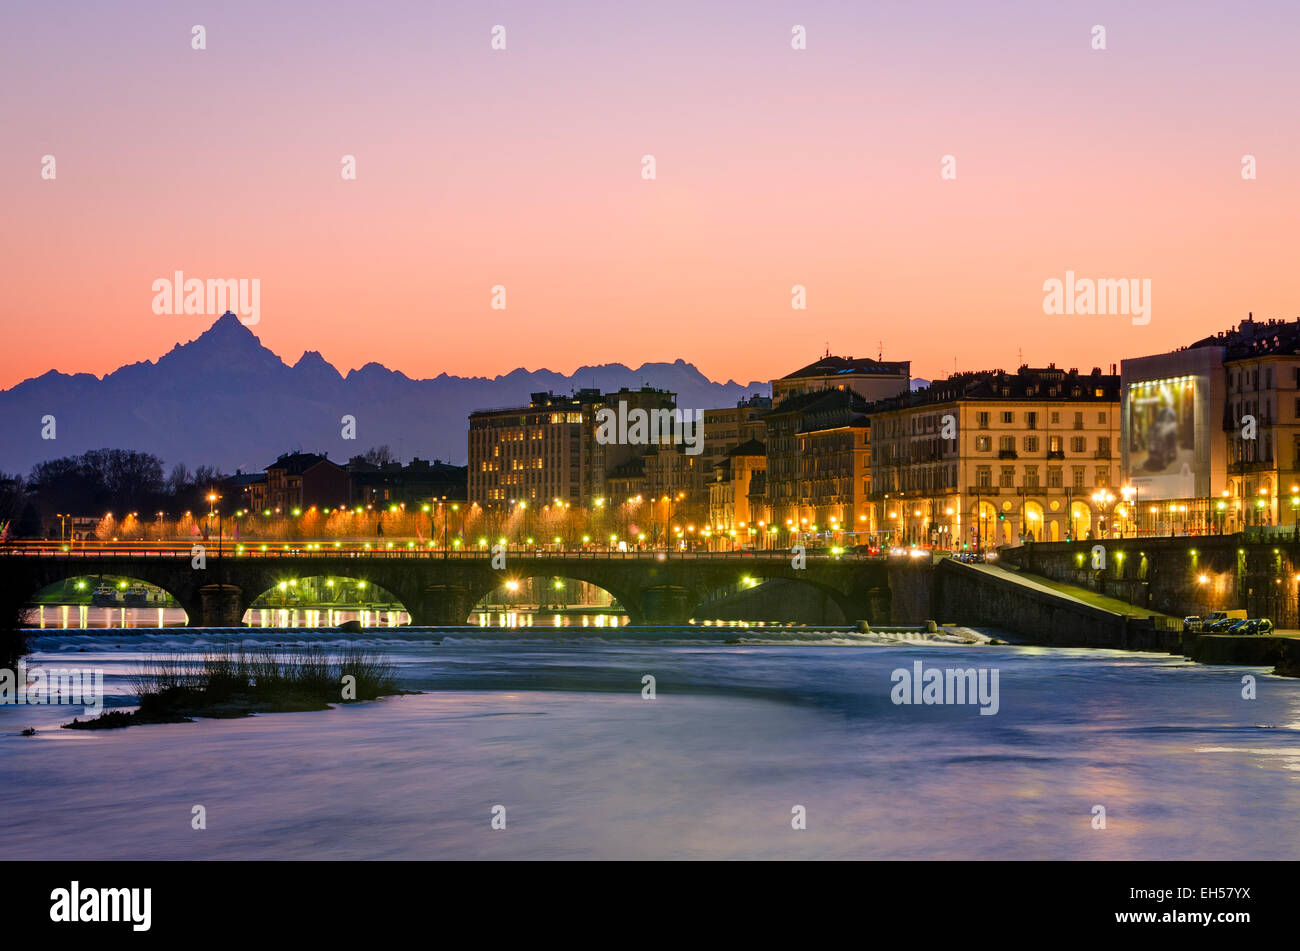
[99, 481]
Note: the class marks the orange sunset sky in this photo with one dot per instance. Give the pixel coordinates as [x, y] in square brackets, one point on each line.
[522, 167]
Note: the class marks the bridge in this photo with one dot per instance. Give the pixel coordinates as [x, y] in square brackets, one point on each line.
[441, 588]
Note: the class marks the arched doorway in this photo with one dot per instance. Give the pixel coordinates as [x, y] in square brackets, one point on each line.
[984, 520]
[1033, 526]
[1080, 520]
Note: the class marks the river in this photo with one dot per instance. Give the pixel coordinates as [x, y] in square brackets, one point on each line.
[746, 725]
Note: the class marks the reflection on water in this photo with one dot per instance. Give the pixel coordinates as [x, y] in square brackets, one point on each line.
[78, 616]
[72, 616]
[546, 619]
[555, 726]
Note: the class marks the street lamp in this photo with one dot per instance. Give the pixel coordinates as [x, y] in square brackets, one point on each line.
[1102, 498]
[1130, 494]
[212, 501]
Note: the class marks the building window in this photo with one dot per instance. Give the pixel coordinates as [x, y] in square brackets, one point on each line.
[1101, 417]
[1031, 477]
[1055, 444]
[1007, 479]
[1078, 444]
[1008, 417]
[1078, 420]
[985, 443]
[1031, 444]
[1054, 477]
[1056, 416]
[1031, 420]
[1077, 474]
[983, 418]
[984, 475]
[1007, 443]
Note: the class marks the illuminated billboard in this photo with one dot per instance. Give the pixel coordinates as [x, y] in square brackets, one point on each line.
[1161, 437]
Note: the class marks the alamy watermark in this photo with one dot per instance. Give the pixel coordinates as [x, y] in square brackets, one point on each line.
[53, 685]
[946, 685]
[214, 297]
[651, 427]
[77, 903]
[1102, 297]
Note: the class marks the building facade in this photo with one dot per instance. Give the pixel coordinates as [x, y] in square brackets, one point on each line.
[530, 454]
[299, 480]
[817, 474]
[990, 458]
[1212, 431]
[729, 494]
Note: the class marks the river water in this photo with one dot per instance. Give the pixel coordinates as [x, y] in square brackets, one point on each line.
[552, 725]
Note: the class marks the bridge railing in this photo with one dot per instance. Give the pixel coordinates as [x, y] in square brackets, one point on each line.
[307, 550]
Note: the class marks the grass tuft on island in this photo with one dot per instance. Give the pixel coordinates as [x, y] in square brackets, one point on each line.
[238, 683]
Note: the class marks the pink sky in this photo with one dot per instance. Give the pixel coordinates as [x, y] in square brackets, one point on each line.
[522, 168]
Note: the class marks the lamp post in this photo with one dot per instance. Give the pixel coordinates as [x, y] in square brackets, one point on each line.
[1130, 504]
[212, 509]
[1102, 498]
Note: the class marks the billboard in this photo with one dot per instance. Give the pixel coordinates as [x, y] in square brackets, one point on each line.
[1162, 451]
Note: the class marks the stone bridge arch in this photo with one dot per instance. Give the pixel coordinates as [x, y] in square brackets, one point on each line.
[291, 585]
[653, 589]
[24, 578]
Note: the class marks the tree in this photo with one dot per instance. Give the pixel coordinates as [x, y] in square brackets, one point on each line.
[179, 480]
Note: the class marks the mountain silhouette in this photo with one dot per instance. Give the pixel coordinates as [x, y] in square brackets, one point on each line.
[225, 400]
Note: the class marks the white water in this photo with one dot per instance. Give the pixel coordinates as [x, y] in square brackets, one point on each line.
[739, 733]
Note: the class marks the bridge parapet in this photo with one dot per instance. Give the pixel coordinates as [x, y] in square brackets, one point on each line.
[653, 587]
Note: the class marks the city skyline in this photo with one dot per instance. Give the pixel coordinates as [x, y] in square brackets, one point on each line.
[776, 167]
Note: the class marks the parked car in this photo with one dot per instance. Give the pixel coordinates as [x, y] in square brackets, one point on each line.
[1193, 623]
[1220, 625]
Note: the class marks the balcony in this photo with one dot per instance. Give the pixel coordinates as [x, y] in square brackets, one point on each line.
[1243, 466]
[1008, 454]
[1101, 454]
[981, 490]
[1056, 454]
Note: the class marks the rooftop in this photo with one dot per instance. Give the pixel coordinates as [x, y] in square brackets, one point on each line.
[1252, 338]
[849, 366]
[1027, 383]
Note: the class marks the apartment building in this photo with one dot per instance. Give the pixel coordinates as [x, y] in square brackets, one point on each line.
[987, 458]
[532, 454]
[817, 476]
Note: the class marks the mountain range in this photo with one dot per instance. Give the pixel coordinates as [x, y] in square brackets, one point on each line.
[225, 400]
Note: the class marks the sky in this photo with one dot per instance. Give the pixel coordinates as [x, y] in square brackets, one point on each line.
[522, 167]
